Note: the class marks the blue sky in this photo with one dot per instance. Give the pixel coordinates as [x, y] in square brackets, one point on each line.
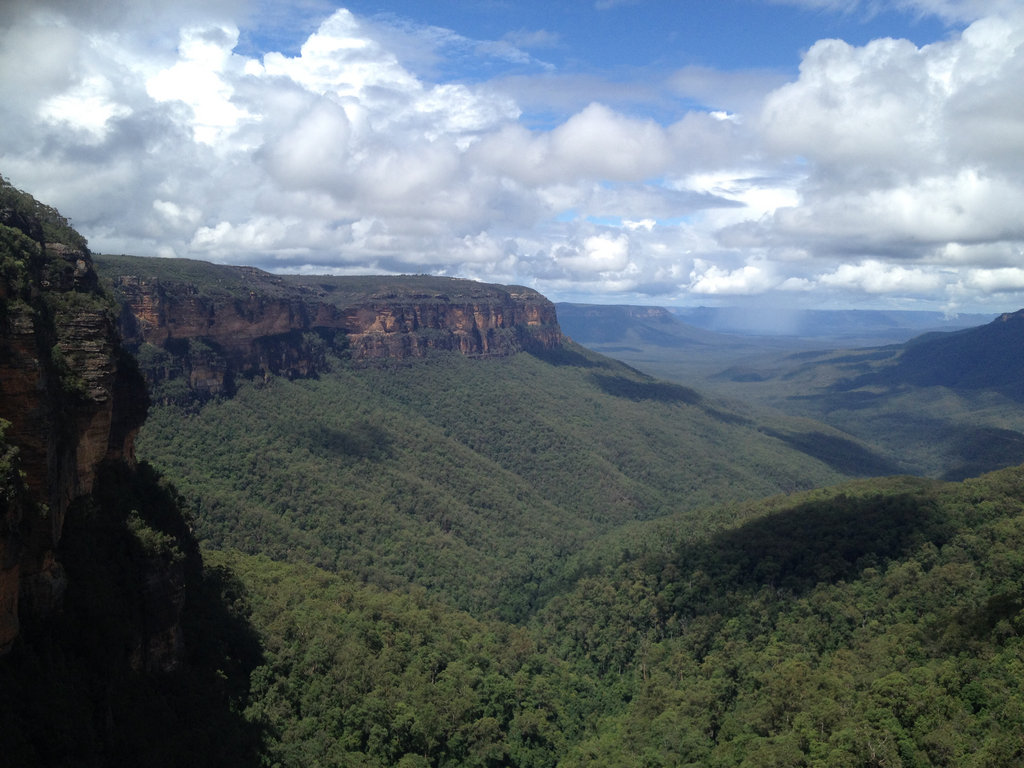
[582, 35]
[780, 152]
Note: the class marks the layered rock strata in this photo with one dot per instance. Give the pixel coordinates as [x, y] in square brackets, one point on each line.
[69, 400]
[203, 325]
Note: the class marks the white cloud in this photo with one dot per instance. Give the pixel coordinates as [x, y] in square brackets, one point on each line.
[872, 276]
[889, 110]
[912, 154]
[596, 143]
[87, 106]
[753, 278]
[1004, 280]
[967, 207]
[314, 150]
[883, 170]
[199, 79]
[600, 253]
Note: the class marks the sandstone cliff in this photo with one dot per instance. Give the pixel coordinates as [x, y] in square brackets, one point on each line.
[69, 399]
[195, 327]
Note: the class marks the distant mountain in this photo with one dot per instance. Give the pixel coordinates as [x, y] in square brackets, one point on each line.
[989, 357]
[694, 344]
[984, 358]
[939, 403]
[657, 341]
[636, 326]
[944, 404]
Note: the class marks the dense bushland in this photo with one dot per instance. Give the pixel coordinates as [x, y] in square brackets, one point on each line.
[473, 478]
[877, 623]
[450, 566]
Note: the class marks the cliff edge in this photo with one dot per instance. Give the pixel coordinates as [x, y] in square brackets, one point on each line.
[69, 398]
[195, 327]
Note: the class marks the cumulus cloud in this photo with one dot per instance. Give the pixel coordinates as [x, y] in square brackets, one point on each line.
[872, 276]
[596, 143]
[887, 170]
[912, 153]
[199, 80]
[1003, 280]
[709, 278]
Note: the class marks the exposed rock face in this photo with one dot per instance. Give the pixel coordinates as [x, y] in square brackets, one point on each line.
[203, 325]
[501, 325]
[70, 398]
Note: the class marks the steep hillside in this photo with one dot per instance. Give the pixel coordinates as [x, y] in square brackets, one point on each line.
[874, 623]
[983, 358]
[474, 477]
[877, 623]
[69, 399]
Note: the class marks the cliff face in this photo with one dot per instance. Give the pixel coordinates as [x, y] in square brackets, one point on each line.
[196, 327]
[68, 398]
[502, 324]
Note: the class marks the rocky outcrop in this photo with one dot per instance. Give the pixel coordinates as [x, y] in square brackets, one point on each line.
[69, 399]
[196, 327]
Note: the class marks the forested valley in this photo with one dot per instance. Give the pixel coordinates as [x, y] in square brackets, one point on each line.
[463, 562]
[541, 558]
[504, 562]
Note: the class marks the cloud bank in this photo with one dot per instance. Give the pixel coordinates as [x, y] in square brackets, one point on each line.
[887, 173]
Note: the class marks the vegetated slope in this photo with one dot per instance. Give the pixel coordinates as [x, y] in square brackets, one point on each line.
[982, 358]
[355, 675]
[471, 477]
[873, 623]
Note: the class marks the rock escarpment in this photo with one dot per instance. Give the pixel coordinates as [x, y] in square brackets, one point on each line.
[69, 399]
[195, 327]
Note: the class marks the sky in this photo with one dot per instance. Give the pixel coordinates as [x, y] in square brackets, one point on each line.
[778, 153]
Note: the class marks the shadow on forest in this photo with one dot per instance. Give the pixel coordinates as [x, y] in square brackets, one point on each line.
[839, 453]
[822, 541]
[977, 450]
[563, 356]
[362, 440]
[660, 391]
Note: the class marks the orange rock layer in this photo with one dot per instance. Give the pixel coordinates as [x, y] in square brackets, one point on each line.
[272, 328]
